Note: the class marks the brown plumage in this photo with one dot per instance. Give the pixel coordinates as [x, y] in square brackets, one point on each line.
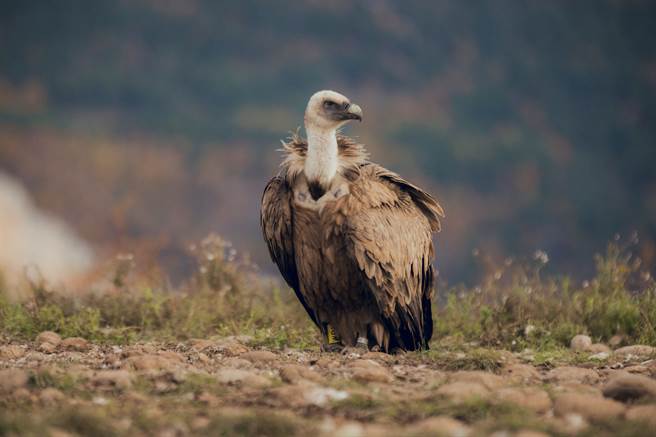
[357, 253]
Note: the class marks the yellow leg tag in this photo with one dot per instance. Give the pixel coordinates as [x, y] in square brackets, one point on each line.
[332, 336]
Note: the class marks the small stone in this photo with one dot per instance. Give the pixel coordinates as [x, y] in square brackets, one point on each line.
[590, 407]
[51, 395]
[642, 413]
[570, 373]
[532, 398]
[78, 344]
[112, 379]
[48, 337]
[364, 364]
[149, 362]
[294, 373]
[230, 348]
[242, 377]
[379, 356]
[11, 352]
[580, 343]
[11, 379]
[487, 379]
[259, 356]
[443, 426]
[637, 350]
[463, 391]
[237, 363]
[521, 373]
[629, 387]
[371, 374]
[305, 395]
[201, 344]
[47, 348]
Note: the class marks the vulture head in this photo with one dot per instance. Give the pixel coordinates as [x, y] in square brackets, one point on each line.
[329, 110]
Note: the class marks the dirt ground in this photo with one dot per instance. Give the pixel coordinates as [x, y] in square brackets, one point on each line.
[223, 386]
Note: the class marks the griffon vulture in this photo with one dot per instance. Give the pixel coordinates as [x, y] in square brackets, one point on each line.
[352, 238]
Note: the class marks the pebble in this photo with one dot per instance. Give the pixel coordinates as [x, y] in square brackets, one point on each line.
[488, 380]
[441, 425]
[245, 378]
[590, 407]
[77, 344]
[580, 343]
[11, 352]
[532, 398]
[570, 373]
[259, 356]
[462, 391]
[637, 350]
[626, 387]
[48, 337]
[372, 374]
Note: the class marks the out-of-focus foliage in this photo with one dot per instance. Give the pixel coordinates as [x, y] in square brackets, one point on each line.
[512, 309]
[155, 121]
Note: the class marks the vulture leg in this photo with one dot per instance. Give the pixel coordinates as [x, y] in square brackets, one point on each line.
[332, 342]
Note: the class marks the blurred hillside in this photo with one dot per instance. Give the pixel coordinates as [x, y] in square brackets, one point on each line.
[149, 123]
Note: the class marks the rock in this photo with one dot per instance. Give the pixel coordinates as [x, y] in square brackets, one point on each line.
[643, 413]
[320, 396]
[570, 373]
[463, 391]
[294, 373]
[48, 337]
[372, 374]
[637, 350]
[237, 363]
[521, 373]
[441, 426]
[51, 396]
[580, 343]
[11, 379]
[149, 362]
[245, 378]
[576, 387]
[201, 344]
[230, 348]
[599, 348]
[364, 364]
[259, 356]
[532, 398]
[78, 344]
[112, 379]
[487, 379]
[628, 387]
[379, 356]
[11, 352]
[173, 356]
[47, 348]
[590, 407]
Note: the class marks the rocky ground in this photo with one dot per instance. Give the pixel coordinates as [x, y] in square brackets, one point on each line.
[224, 386]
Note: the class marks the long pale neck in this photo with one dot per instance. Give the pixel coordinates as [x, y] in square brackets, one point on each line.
[322, 155]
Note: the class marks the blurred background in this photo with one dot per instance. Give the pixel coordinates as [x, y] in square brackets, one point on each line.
[140, 126]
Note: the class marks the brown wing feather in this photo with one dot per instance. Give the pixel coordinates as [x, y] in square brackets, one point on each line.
[276, 220]
[389, 226]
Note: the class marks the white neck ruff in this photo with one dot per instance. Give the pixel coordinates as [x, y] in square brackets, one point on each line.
[321, 161]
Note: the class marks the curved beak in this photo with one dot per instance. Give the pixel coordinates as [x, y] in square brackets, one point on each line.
[353, 112]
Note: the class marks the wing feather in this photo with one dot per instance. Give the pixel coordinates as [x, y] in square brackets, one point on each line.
[276, 221]
[389, 226]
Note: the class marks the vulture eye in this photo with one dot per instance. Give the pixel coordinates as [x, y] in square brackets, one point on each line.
[329, 104]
